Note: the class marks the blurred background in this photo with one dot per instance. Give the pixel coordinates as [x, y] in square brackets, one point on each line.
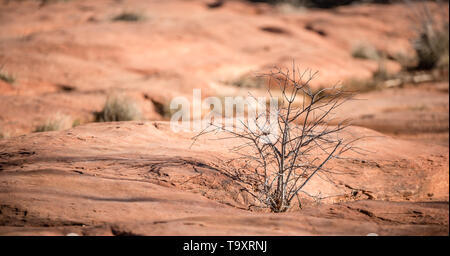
[64, 63]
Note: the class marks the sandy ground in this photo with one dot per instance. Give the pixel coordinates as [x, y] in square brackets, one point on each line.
[140, 178]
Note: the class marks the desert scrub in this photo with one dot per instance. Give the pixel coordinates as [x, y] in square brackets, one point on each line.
[432, 47]
[56, 123]
[431, 43]
[76, 122]
[406, 61]
[365, 51]
[379, 77]
[118, 108]
[3, 134]
[247, 81]
[6, 77]
[360, 85]
[309, 3]
[129, 17]
[282, 153]
[46, 2]
[163, 109]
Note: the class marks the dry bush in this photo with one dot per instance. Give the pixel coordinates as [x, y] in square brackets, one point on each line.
[432, 48]
[56, 123]
[118, 108]
[283, 154]
[432, 41]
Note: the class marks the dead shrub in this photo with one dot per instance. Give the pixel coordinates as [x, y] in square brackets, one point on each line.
[283, 153]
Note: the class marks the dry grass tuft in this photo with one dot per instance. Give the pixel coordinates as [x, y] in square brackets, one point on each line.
[6, 77]
[56, 123]
[129, 17]
[118, 108]
[248, 81]
[3, 134]
[360, 85]
[365, 51]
